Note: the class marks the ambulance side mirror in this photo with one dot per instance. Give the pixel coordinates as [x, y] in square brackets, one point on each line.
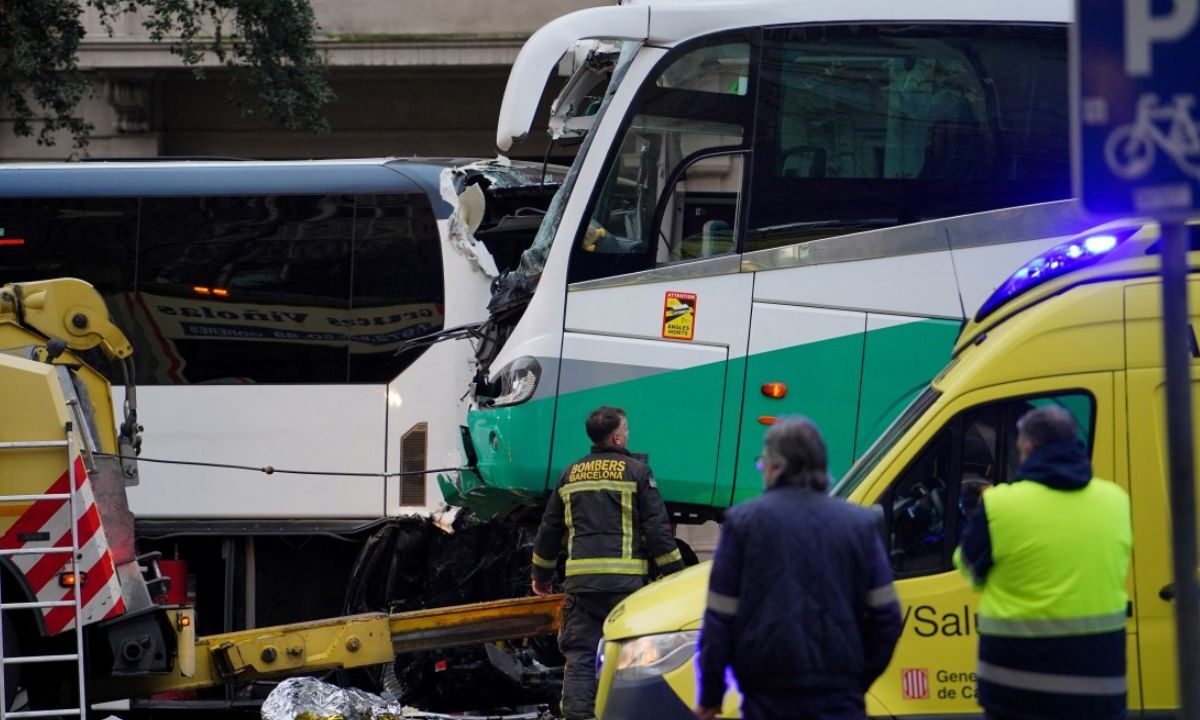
[880, 522]
[896, 557]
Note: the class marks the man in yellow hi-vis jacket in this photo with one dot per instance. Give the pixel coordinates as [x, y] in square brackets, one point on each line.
[1050, 554]
[615, 523]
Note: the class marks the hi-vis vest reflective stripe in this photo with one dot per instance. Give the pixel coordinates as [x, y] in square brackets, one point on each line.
[626, 564]
[1060, 560]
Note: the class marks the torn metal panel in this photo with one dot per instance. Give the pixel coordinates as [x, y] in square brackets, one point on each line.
[542, 52]
[458, 228]
[574, 111]
[496, 194]
[412, 564]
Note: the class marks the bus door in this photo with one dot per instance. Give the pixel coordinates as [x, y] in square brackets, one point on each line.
[658, 309]
[661, 351]
[849, 371]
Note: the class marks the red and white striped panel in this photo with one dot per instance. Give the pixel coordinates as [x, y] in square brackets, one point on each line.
[46, 524]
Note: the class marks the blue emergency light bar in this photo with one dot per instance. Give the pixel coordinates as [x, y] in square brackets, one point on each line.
[1055, 262]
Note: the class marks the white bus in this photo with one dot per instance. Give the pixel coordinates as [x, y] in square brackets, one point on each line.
[272, 307]
[777, 207]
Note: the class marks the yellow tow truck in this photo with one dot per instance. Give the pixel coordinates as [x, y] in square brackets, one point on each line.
[80, 620]
[1079, 327]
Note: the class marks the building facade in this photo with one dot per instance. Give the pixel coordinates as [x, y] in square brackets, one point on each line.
[412, 78]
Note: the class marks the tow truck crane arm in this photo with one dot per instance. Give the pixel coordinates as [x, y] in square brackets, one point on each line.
[67, 310]
[68, 314]
[340, 643]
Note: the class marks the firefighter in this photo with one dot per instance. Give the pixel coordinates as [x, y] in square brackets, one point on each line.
[615, 523]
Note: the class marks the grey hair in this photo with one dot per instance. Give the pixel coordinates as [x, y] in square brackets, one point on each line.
[797, 444]
[1046, 425]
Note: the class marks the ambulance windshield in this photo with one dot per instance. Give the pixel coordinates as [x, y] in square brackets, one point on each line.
[897, 430]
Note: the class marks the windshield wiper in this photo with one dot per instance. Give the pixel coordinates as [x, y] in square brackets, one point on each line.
[461, 332]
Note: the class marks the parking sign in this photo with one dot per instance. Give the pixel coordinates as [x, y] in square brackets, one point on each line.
[1137, 106]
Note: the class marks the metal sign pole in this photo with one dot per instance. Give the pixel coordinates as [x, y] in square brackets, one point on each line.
[1181, 463]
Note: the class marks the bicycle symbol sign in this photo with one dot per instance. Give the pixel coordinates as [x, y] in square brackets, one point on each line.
[1137, 136]
[1130, 150]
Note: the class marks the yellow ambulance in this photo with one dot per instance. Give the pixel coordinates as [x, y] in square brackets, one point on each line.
[1078, 326]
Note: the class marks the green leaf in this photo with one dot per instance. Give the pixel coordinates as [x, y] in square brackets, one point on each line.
[268, 43]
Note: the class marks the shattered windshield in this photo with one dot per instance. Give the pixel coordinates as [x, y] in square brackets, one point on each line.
[534, 259]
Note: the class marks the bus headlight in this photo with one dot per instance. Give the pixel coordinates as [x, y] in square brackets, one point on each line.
[518, 380]
[655, 655]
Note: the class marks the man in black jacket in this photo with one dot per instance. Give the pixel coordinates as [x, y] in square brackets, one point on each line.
[801, 604]
[615, 522]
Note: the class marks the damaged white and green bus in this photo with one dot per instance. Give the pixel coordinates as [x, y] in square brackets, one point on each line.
[776, 207]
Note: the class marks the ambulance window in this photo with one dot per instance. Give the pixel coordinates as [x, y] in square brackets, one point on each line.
[928, 504]
[917, 514]
[1079, 404]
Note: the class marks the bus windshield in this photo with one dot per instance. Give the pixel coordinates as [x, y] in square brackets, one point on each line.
[534, 258]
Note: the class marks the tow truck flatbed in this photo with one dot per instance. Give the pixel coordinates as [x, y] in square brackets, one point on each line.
[335, 643]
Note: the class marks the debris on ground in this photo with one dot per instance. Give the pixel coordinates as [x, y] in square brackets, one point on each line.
[308, 698]
[411, 563]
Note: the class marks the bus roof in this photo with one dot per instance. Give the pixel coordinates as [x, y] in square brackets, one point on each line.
[667, 24]
[222, 177]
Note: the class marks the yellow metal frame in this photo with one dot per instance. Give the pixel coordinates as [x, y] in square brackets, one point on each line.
[336, 643]
[73, 311]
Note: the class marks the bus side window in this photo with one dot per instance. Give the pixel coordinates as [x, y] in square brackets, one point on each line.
[868, 126]
[245, 289]
[398, 292]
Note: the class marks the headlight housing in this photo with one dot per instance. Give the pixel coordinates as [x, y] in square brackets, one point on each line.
[654, 655]
[518, 381]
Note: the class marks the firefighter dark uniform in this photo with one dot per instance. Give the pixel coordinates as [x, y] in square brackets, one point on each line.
[608, 508]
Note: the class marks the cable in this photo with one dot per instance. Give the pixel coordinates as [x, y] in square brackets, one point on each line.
[546, 162]
[270, 470]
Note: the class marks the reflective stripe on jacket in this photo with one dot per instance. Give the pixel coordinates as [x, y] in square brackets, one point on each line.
[614, 523]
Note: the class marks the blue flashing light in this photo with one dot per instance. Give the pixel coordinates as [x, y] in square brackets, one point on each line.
[1055, 262]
